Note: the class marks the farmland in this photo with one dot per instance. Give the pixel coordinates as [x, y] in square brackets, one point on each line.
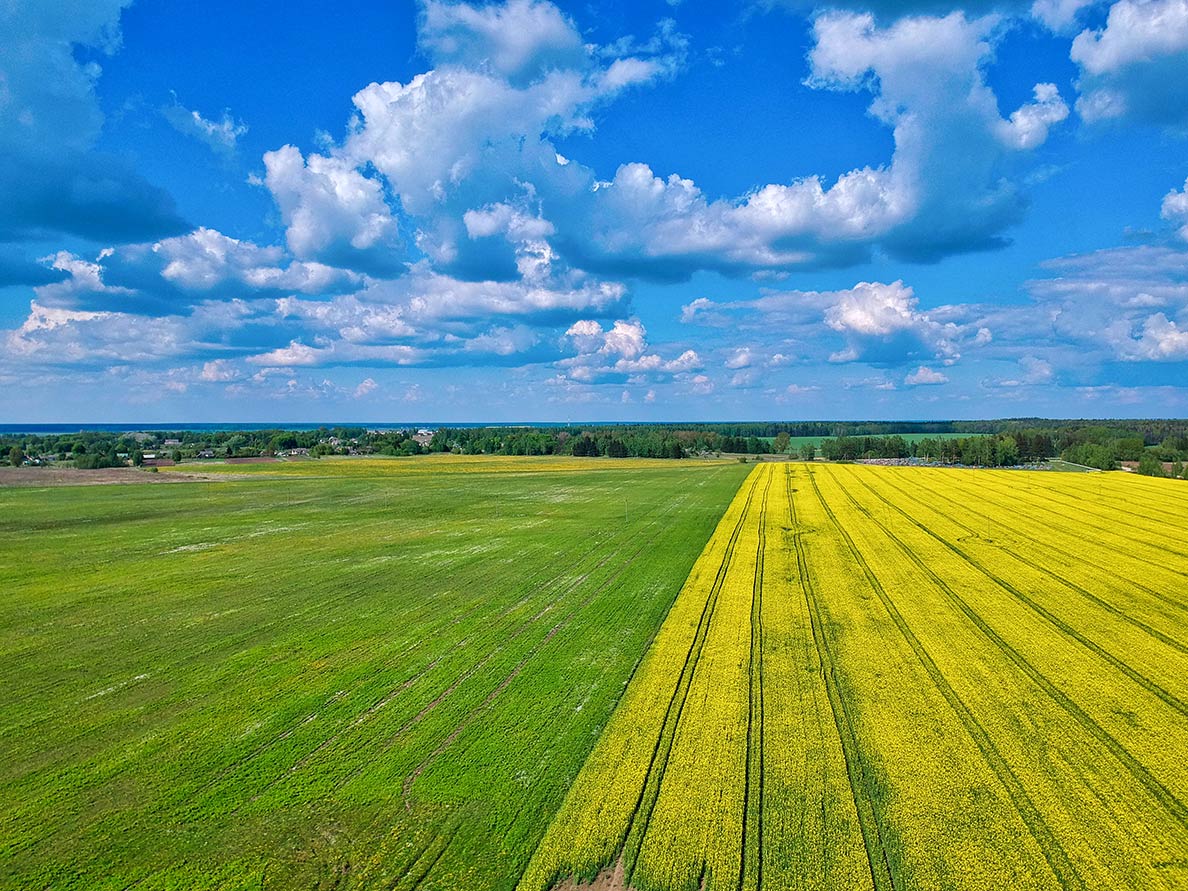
[892, 678]
[372, 673]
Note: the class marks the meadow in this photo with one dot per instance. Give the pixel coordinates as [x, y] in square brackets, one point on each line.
[905, 678]
[324, 674]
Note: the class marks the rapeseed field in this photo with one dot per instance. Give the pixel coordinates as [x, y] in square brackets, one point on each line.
[893, 678]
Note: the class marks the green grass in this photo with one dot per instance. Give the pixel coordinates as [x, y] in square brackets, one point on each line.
[367, 678]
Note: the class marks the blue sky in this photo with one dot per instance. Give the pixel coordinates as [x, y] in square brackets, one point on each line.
[617, 211]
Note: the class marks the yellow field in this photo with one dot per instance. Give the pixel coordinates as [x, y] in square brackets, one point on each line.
[898, 678]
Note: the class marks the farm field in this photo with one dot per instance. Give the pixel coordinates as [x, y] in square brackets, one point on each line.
[905, 678]
[373, 673]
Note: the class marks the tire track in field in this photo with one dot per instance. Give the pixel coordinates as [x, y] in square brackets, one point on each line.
[528, 623]
[487, 702]
[809, 644]
[1081, 521]
[392, 695]
[752, 797]
[1067, 630]
[658, 763]
[643, 650]
[1057, 858]
[1166, 798]
[628, 535]
[881, 875]
[378, 704]
[980, 494]
[1120, 504]
[1039, 567]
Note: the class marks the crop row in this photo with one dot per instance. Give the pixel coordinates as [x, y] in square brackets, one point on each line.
[905, 678]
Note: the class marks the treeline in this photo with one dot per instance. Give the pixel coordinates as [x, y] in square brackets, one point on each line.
[1095, 445]
[645, 441]
[1154, 445]
[1001, 450]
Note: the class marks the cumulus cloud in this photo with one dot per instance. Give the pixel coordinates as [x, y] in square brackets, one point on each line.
[882, 322]
[1060, 16]
[925, 376]
[1158, 339]
[1135, 66]
[620, 352]
[873, 322]
[331, 211]
[1175, 209]
[1127, 303]
[521, 40]
[952, 146]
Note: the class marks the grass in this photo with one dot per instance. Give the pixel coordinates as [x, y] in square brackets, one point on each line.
[371, 673]
[891, 678]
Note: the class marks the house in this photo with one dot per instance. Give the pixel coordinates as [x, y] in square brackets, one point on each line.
[173, 442]
[206, 453]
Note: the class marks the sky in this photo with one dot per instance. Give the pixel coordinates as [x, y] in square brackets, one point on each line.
[630, 210]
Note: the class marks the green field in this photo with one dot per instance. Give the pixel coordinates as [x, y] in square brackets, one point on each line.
[385, 674]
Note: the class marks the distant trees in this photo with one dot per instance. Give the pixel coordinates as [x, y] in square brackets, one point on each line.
[781, 442]
[1149, 465]
[1091, 455]
[16, 455]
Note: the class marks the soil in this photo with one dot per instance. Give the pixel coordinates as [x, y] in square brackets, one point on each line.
[610, 879]
[71, 476]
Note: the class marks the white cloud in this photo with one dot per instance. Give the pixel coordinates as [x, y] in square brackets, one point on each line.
[620, 351]
[1136, 65]
[951, 142]
[1175, 209]
[1060, 15]
[1028, 126]
[925, 376]
[206, 258]
[338, 353]
[883, 321]
[218, 371]
[1136, 31]
[741, 358]
[874, 309]
[1032, 370]
[1159, 340]
[220, 136]
[366, 387]
[329, 208]
[521, 40]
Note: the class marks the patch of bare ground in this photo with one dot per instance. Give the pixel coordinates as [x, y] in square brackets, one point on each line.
[70, 476]
[610, 879]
